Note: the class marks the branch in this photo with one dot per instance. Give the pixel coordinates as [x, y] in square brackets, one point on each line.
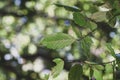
[90, 63]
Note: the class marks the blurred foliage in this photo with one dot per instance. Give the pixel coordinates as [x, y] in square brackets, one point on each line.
[93, 23]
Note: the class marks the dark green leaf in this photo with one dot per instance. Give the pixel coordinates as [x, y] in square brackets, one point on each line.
[75, 72]
[58, 68]
[57, 40]
[91, 72]
[69, 8]
[85, 45]
[79, 19]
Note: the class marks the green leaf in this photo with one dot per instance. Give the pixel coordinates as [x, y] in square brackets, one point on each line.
[57, 40]
[111, 50]
[75, 72]
[58, 68]
[46, 77]
[91, 25]
[79, 19]
[91, 72]
[69, 8]
[99, 16]
[108, 68]
[99, 67]
[85, 45]
[77, 32]
[98, 74]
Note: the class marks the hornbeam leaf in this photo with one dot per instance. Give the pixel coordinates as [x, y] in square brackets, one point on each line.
[99, 16]
[98, 74]
[111, 50]
[75, 72]
[57, 40]
[56, 70]
[79, 19]
[91, 72]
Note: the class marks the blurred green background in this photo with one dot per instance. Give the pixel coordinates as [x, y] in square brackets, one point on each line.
[23, 23]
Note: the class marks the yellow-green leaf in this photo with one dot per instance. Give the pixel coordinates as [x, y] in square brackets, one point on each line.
[99, 16]
[58, 68]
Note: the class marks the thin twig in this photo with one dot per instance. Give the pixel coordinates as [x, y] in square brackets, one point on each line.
[79, 39]
[87, 62]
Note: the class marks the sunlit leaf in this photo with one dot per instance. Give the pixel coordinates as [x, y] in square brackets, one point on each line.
[98, 74]
[57, 40]
[108, 68]
[75, 72]
[79, 19]
[99, 16]
[69, 8]
[77, 32]
[58, 68]
[111, 50]
[91, 25]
